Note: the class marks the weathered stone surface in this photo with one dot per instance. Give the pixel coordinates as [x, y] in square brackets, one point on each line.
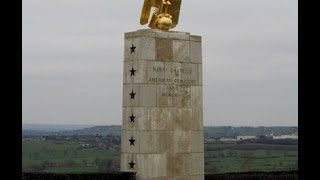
[129, 100]
[139, 74]
[196, 96]
[163, 100]
[155, 72]
[147, 50]
[164, 49]
[191, 73]
[157, 123]
[152, 166]
[197, 141]
[200, 74]
[125, 143]
[139, 116]
[128, 55]
[182, 141]
[197, 119]
[195, 52]
[172, 73]
[125, 159]
[144, 48]
[195, 38]
[147, 95]
[177, 118]
[196, 164]
[186, 118]
[181, 51]
[182, 96]
[173, 35]
[149, 142]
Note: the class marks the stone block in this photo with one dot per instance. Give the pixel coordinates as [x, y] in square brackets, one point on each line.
[183, 178]
[127, 158]
[139, 48]
[177, 118]
[173, 72]
[197, 142]
[181, 51]
[186, 118]
[131, 50]
[135, 118]
[166, 142]
[157, 165]
[173, 35]
[149, 142]
[197, 177]
[191, 75]
[135, 71]
[181, 164]
[164, 49]
[182, 141]
[147, 45]
[196, 96]
[182, 96]
[163, 98]
[147, 95]
[157, 123]
[196, 164]
[124, 121]
[155, 72]
[200, 74]
[195, 38]
[197, 119]
[130, 95]
[167, 115]
[126, 146]
[195, 52]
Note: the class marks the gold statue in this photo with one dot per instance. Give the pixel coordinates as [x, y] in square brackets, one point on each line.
[165, 16]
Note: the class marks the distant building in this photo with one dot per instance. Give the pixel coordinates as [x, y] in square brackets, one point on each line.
[285, 137]
[209, 140]
[85, 145]
[227, 140]
[240, 138]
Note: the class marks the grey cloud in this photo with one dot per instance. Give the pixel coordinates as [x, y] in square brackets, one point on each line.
[73, 58]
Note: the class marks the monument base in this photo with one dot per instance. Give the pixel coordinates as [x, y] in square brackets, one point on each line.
[162, 127]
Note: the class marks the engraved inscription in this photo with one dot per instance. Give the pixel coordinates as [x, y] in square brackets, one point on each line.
[174, 91]
[181, 76]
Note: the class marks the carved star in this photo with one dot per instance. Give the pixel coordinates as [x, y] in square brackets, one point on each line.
[132, 118]
[132, 49]
[132, 71]
[132, 94]
[132, 165]
[132, 141]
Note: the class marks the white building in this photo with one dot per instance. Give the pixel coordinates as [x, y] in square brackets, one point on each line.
[226, 140]
[240, 138]
[285, 137]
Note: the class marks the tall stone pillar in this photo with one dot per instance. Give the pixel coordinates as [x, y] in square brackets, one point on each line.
[162, 124]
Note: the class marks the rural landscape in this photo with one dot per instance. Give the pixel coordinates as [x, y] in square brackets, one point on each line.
[97, 149]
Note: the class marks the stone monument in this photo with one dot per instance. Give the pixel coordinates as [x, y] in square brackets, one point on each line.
[162, 121]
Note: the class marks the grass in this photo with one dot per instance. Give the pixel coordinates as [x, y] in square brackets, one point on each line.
[35, 152]
[258, 160]
[219, 158]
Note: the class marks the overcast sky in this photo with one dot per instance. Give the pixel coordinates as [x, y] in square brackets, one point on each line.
[73, 59]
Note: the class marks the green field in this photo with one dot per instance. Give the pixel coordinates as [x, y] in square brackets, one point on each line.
[35, 152]
[222, 158]
[219, 158]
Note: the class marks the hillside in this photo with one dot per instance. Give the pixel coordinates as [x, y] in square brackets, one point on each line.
[209, 132]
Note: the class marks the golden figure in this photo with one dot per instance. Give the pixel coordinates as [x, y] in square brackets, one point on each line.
[165, 15]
